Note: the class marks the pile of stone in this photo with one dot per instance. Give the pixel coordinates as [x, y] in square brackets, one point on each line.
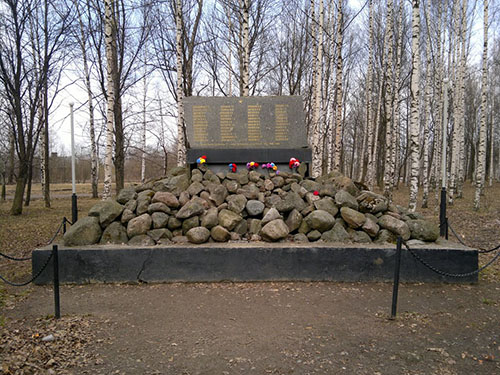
[201, 206]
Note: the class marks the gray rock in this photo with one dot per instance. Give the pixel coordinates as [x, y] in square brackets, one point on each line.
[220, 234]
[236, 203]
[352, 217]
[218, 194]
[254, 226]
[254, 207]
[167, 198]
[255, 176]
[229, 219]
[370, 227]
[278, 181]
[127, 215]
[274, 230]
[184, 198]
[198, 235]
[141, 240]
[210, 219]
[271, 215]
[327, 190]
[174, 223]
[196, 175]
[139, 225]
[359, 236]
[371, 202]
[231, 186]
[192, 208]
[234, 237]
[326, 204]
[143, 201]
[160, 219]
[177, 184]
[311, 198]
[268, 185]
[304, 228]
[126, 195]
[385, 236]
[300, 237]
[306, 211]
[195, 188]
[314, 235]
[336, 234]
[115, 233]
[292, 200]
[302, 169]
[241, 228]
[159, 207]
[249, 191]
[190, 223]
[345, 183]
[85, 231]
[255, 237]
[423, 230]
[311, 185]
[242, 177]
[131, 205]
[320, 220]
[158, 234]
[396, 226]
[180, 239]
[344, 199]
[272, 200]
[293, 220]
[107, 211]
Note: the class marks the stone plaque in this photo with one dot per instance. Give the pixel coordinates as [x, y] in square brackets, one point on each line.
[245, 122]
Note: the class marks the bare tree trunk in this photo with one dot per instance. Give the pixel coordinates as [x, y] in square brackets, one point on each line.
[110, 40]
[181, 130]
[143, 143]
[94, 176]
[368, 139]
[12, 159]
[492, 142]
[427, 115]
[461, 78]
[389, 170]
[338, 89]
[246, 48]
[317, 154]
[415, 108]
[481, 153]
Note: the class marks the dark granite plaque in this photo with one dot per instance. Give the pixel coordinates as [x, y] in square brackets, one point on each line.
[275, 122]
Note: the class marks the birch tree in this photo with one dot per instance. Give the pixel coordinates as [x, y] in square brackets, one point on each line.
[338, 88]
[245, 74]
[415, 108]
[481, 153]
[181, 128]
[111, 63]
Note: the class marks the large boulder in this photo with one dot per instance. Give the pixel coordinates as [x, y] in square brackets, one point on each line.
[344, 199]
[139, 225]
[326, 204]
[160, 219]
[192, 208]
[271, 215]
[336, 234]
[85, 231]
[195, 188]
[294, 220]
[320, 220]
[115, 233]
[370, 227]
[126, 195]
[107, 211]
[167, 198]
[220, 234]
[371, 202]
[254, 207]
[210, 218]
[236, 203]
[143, 201]
[352, 217]
[274, 230]
[292, 200]
[229, 219]
[396, 226]
[423, 230]
[141, 240]
[198, 235]
[176, 184]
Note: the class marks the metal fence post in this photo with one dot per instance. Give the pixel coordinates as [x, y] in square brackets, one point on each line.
[395, 287]
[57, 307]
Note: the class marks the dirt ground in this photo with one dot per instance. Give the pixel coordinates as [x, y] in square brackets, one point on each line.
[252, 328]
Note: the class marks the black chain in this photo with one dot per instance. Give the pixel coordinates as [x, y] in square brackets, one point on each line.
[24, 259]
[443, 273]
[480, 250]
[34, 277]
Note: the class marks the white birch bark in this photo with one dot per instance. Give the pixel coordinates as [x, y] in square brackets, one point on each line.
[427, 116]
[415, 108]
[461, 103]
[329, 87]
[110, 41]
[481, 153]
[492, 141]
[312, 125]
[317, 154]
[181, 133]
[338, 89]
[388, 177]
[368, 140]
[143, 143]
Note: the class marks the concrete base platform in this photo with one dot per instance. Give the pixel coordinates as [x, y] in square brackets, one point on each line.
[254, 262]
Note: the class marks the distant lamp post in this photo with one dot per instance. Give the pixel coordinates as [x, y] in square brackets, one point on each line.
[74, 206]
[443, 222]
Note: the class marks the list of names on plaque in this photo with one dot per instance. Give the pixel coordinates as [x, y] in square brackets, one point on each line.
[281, 128]
[200, 123]
[226, 124]
[254, 131]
